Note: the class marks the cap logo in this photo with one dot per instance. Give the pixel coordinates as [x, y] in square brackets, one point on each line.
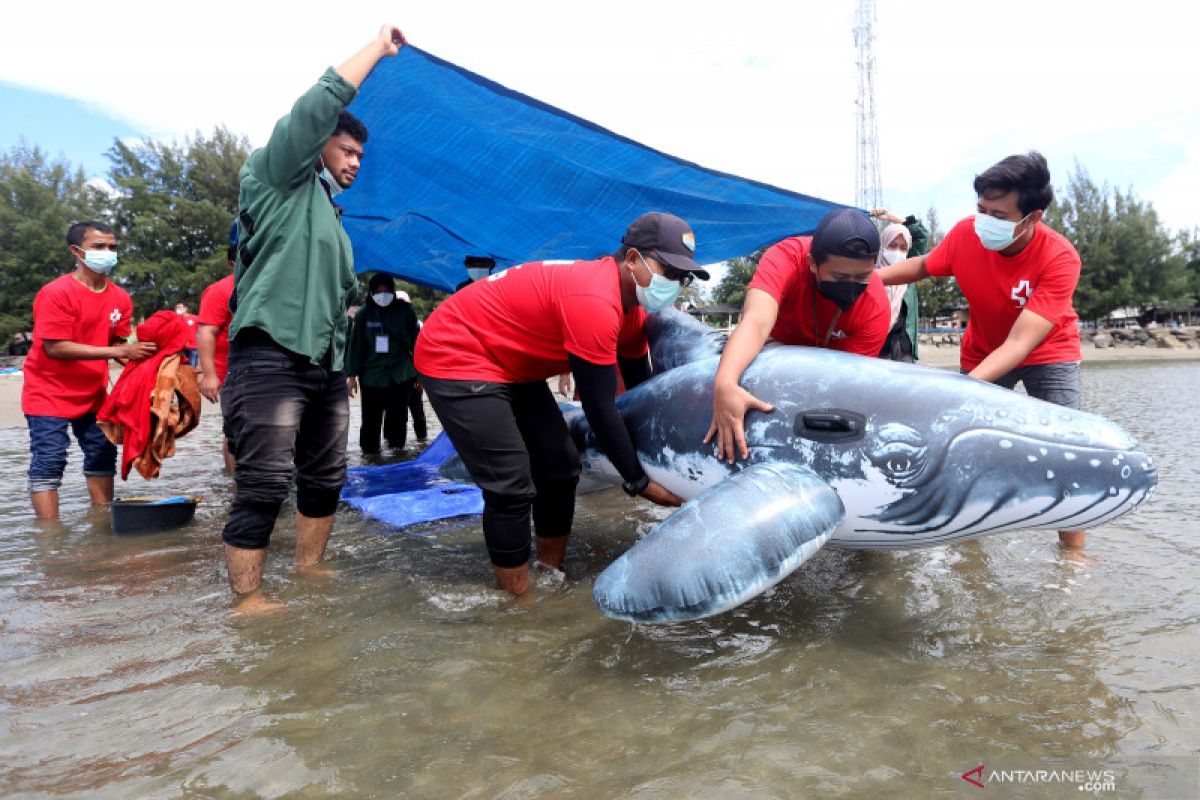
[689, 241]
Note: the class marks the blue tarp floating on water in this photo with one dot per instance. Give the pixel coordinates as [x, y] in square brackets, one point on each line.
[412, 492]
[459, 165]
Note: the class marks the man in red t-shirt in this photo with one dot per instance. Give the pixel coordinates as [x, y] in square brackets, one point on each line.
[212, 339]
[819, 291]
[486, 353]
[1018, 276]
[80, 320]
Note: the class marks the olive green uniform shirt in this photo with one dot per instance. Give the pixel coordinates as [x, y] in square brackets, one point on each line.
[295, 270]
[380, 362]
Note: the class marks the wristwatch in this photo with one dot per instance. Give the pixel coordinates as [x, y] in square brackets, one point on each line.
[634, 488]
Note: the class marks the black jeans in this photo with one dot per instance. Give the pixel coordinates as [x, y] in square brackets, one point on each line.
[417, 408]
[514, 442]
[386, 406]
[286, 419]
[898, 346]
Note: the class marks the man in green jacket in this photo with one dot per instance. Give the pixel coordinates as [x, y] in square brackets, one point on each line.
[380, 358]
[284, 399]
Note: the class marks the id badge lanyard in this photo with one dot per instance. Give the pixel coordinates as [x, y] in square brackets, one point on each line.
[832, 323]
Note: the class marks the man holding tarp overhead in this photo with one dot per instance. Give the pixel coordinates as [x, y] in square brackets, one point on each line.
[285, 400]
[484, 357]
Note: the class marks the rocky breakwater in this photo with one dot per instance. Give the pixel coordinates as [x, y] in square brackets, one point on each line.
[1154, 338]
[940, 339]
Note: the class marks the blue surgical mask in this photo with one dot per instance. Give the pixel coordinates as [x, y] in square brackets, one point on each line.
[101, 261]
[997, 234]
[335, 188]
[661, 292]
[383, 299]
[477, 273]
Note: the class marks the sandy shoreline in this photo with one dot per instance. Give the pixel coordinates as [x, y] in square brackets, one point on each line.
[933, 356]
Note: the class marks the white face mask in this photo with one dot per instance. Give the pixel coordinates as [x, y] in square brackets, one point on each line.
[383, 299]
[889, 257]
[477, 273]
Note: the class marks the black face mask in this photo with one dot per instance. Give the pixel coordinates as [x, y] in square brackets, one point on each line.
[843, 293]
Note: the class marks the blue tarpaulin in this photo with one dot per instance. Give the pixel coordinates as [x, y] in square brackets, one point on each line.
[459, 165]
[412, 492]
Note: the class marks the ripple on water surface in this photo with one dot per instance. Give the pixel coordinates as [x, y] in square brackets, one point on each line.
[399, 672]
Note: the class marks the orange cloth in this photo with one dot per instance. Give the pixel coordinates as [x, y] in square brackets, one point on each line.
[161, 385]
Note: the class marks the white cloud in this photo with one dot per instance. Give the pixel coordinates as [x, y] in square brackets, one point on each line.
[759, 88]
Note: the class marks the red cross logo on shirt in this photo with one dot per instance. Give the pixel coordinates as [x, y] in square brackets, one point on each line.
[1021, 293]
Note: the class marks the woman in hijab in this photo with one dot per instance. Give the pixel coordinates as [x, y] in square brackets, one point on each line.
[903, 238]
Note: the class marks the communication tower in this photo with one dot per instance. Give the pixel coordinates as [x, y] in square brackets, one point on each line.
[867, 182]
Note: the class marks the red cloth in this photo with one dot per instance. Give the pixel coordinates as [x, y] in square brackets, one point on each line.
[1041, 278]
[518, 326]
[128, 406]
[214, 311]
[784, 273]
[190, 320]
[65, 309]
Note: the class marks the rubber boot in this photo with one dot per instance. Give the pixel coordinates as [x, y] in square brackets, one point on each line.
[513, 579]
[552, 552]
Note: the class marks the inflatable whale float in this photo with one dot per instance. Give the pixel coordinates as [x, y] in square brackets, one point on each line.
[858, 453]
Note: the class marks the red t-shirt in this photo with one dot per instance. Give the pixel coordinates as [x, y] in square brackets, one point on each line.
[518, 326]
[783, 273]
[1041, 278]
[65, 309]
[214, 310]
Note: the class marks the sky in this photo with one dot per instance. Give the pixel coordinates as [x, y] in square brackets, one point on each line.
[760, 88]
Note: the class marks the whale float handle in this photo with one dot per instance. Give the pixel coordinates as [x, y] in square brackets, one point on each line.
[830, 425]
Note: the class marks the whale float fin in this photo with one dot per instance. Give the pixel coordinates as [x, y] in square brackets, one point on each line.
[726, 545]
[677, 338]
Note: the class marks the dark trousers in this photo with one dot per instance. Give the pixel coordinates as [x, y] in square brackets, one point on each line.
[514, 442]
[286, 419]
[416, 407]
[898, 346]
[385, 406]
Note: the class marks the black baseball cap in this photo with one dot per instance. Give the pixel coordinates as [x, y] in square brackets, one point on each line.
[666, 238]
[846, 232]
[472, 262]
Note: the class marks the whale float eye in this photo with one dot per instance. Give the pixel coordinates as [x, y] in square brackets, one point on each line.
[898, 461]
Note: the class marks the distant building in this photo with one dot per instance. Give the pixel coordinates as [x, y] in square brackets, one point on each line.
[722, 315]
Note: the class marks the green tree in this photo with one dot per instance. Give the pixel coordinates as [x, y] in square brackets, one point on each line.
[1189, 246]
[424, 299]
[173, 210]
[738, 272]
[39, 199]
[1084, 215]
[937, 297]
[1129, 258]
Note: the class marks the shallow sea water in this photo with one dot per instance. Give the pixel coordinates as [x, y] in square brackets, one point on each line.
[402, 674]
